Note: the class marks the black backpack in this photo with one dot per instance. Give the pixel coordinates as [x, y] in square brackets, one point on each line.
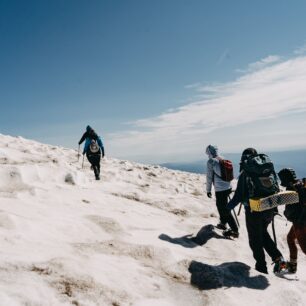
[296, 213]
[260, 176]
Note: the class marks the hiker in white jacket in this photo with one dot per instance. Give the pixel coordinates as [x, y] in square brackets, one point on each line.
[222, 191]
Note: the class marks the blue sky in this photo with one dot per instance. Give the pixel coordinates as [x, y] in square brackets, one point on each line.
[158, 79]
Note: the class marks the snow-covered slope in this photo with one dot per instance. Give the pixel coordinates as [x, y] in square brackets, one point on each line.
[141, 236]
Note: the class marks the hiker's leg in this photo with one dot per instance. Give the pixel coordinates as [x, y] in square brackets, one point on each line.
[230, 218]
[225, 214]
[96, 165]
[91, 158]
[221, 202]
[96, 171]
[291, 243]
[98, 162]
[300, 234]
[255, 229]
[268, 243]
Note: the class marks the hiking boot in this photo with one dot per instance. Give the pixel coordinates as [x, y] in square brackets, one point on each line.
[291, 267]
[229, 233]
[221, 226]
[279, 265]
[261, 269]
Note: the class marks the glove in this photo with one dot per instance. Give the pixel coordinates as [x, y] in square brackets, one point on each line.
[209, 194]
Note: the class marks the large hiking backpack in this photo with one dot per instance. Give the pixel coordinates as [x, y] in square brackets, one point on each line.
[261, 177]
[227, 169]
[94, 147]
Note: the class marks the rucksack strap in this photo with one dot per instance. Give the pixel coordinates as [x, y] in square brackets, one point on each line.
[275, 213]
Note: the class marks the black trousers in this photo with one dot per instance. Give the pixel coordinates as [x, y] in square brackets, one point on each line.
[225, 214]
[94, 160]
[259, 238]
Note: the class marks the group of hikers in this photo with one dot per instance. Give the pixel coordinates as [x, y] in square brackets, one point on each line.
[257, 179]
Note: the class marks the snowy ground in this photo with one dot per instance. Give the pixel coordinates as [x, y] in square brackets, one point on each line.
[141, 236]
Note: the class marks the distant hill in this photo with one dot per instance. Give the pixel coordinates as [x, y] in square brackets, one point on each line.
[294, 159]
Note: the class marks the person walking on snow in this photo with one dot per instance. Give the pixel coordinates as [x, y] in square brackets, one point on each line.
[222, 192]
[256, 221]
[295, 213]
[93, 148]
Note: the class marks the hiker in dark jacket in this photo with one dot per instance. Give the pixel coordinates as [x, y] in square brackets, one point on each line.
[295, 213]
[256, 222]
[93, 148]
[222, 192]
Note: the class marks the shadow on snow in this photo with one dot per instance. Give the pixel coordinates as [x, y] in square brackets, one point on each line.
[206, 232]
[230, 274]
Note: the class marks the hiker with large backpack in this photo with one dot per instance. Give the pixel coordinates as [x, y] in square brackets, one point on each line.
[93, 148]
[257, 179]
[295, 213]
[219, 173]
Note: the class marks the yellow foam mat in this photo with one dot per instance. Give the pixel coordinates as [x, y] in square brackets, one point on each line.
[281, 198]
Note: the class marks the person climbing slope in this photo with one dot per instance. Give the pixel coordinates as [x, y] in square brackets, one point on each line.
[254, 184]
[222, 192]
[93, 149]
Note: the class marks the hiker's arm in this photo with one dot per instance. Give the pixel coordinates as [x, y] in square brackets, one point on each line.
[238, 195]
[87, 143]
[83, 138]
[209, 175]
[100, 143]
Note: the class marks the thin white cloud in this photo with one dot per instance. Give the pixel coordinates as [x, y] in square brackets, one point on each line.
[266, 93]
[261, 64]
[193, 86]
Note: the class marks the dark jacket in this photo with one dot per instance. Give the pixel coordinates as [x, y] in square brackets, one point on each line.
[88, 136]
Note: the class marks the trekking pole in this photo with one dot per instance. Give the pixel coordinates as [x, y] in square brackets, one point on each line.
[239, 210]
[236, 217]
[83, 161]
[229, 198]
[275, 213]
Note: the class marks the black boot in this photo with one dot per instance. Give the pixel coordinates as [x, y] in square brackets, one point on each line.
[221, 226]
[291, 266]
[229, 233]
[261, 268]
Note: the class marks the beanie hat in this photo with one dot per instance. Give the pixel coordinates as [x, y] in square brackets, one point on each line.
[245, 155]
[248, 152]
[287, 176]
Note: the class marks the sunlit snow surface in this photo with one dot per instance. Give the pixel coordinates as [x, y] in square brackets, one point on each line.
[142, 236]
